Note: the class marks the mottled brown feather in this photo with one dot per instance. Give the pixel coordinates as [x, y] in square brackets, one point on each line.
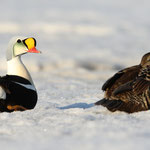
[129, 89]
[128, 74]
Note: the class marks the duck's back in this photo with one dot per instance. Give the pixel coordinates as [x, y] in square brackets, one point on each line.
[119, 79]
[19, 92]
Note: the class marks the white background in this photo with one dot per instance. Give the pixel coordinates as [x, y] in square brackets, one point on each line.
[83, 43]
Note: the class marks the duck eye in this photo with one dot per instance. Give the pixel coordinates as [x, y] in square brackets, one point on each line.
[18, 41]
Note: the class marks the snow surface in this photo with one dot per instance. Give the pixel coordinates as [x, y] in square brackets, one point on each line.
[83, 43]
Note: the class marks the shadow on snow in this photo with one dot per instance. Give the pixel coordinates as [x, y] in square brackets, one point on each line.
[77, 105]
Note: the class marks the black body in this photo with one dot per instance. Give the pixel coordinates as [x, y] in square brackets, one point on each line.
[17, 94]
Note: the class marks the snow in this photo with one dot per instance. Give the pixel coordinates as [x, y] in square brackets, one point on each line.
[83, 43]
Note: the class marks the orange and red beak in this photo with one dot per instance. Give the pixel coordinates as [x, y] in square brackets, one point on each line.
[33, 50]
[31, 45]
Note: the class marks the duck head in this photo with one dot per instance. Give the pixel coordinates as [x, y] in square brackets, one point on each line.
[145, 59]
[19, 46]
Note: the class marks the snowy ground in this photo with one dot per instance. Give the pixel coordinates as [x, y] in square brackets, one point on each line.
[83, 43]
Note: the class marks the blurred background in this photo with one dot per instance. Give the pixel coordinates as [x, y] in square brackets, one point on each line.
[78, 36]
[83, 43]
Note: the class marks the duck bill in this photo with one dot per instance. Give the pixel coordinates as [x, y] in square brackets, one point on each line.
[33, 50]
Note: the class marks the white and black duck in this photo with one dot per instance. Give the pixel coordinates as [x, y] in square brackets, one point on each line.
[17, 90]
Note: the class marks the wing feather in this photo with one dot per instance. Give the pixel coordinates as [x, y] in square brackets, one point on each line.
[121, 77]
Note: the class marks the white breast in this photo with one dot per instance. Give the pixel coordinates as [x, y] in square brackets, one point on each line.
[16, 67]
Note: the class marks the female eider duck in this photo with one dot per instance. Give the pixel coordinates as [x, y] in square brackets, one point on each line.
[17, 90]
[129, 89]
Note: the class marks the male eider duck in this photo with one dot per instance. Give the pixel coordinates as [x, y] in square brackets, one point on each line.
[17, 90]
[129, 89]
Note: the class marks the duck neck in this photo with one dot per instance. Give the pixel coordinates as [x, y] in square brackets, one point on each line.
[16, 67]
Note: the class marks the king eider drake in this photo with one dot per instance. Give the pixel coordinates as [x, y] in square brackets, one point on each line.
[129, 89]
[17, 90]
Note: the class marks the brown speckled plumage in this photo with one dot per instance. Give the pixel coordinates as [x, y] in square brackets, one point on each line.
[129, 89]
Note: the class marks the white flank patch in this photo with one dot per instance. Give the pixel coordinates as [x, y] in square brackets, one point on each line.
[2, 93]
[28, 86]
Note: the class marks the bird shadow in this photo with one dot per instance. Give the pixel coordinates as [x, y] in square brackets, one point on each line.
[77, 105]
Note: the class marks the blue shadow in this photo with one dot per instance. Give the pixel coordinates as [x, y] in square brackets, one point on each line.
[78, 105]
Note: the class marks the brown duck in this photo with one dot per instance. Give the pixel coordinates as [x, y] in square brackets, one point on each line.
[129, 89]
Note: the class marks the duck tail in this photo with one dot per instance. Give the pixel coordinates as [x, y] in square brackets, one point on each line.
[111, 105]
